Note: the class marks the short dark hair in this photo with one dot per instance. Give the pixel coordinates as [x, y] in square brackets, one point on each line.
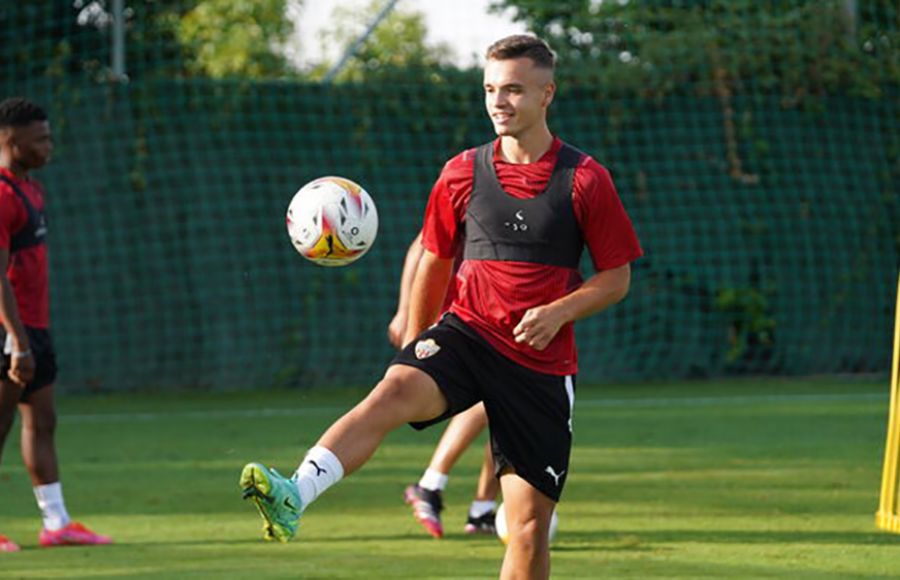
[523, 45]
[19, 112]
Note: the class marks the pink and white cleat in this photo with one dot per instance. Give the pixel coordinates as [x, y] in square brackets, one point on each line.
[427, 506]
[7, 545]
[74, 534]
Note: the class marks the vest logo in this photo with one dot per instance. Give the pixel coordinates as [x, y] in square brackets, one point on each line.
[519, 225]
[426, 349]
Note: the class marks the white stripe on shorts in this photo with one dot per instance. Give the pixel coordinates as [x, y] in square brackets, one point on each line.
[570, 391]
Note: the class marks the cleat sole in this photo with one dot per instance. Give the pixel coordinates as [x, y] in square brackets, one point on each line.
[256, 487]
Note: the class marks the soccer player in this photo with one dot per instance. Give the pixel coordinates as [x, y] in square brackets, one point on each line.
[426, 496]
[29, 362]
[530, 203]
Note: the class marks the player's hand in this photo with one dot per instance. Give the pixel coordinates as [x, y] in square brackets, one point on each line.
[21, 370]
[538, 327]
[396, 329]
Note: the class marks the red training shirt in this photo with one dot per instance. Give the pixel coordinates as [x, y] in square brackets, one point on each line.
[27, 269]
[492, 296]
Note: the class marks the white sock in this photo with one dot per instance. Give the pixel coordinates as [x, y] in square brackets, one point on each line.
[318, 471]
[481, 507]
[434, 480]
[53, 509]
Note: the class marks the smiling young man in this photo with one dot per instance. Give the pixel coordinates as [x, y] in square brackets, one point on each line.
[529, 204]
[28, 362]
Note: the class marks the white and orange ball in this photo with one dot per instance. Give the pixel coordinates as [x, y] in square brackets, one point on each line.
[503, 529]
[332, 221]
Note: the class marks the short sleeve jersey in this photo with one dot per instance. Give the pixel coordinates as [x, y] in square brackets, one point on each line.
[492, 296]
[27, 270]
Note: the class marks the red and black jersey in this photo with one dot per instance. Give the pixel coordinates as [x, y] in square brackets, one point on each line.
[27, 270]
[492, 296]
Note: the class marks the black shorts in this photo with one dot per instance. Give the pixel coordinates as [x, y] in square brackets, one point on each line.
[41, 344]
[529, 413]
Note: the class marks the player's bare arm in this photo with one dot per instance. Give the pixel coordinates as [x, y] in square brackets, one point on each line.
[539, 325]
[397, 326]
[428, 290]
[22, 363]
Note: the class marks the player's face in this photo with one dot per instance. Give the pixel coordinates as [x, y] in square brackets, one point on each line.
[516, 95]
[31, 145]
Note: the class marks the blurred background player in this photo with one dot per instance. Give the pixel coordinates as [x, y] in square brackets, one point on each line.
[29, 362]
[426, 496]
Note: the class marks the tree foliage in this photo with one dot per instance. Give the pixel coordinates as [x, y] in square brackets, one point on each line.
[235, 38]
[215, 38]
[799, 48]
[398, 43]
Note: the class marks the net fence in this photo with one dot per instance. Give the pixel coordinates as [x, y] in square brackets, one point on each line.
[767, 205]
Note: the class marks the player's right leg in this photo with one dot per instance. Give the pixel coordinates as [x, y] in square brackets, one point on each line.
[404, 395]
[7, 545]
[460, 432]
[425, 496]
[483, 511]
[9, 400]
[10, 394]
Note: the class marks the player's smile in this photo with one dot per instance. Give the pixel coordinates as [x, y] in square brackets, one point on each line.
[501, 118]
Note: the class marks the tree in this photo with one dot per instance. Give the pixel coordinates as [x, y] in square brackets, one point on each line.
[213, 38]
[397, 43]
[235, 38]
[797, 47]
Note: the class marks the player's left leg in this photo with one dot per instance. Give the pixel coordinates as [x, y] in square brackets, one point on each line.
[530, 420]
[528, 513]
[38, 413]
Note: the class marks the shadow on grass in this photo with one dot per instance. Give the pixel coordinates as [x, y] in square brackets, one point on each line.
[633, 539]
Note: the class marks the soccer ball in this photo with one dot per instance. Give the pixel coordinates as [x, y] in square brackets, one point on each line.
[332, 221]
[503, 530]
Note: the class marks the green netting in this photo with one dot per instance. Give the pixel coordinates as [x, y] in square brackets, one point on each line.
[771, 225]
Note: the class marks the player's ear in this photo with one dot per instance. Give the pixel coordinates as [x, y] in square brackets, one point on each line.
[549, 93]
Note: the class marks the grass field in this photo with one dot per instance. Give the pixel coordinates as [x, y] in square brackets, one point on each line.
[735, 479]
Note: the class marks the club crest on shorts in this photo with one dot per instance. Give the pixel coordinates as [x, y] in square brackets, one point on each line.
[426, 348]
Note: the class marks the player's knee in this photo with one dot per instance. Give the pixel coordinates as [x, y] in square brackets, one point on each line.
[42, 424]
[393, 392]
[406, 397]
[528, 536]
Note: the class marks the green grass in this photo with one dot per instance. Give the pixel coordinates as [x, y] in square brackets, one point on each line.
[737, 479]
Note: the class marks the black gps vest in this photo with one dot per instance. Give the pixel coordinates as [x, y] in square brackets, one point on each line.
[541, 229]
[34, 232]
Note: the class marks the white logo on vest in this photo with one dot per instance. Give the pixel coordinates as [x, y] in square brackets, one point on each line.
[517, 226]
